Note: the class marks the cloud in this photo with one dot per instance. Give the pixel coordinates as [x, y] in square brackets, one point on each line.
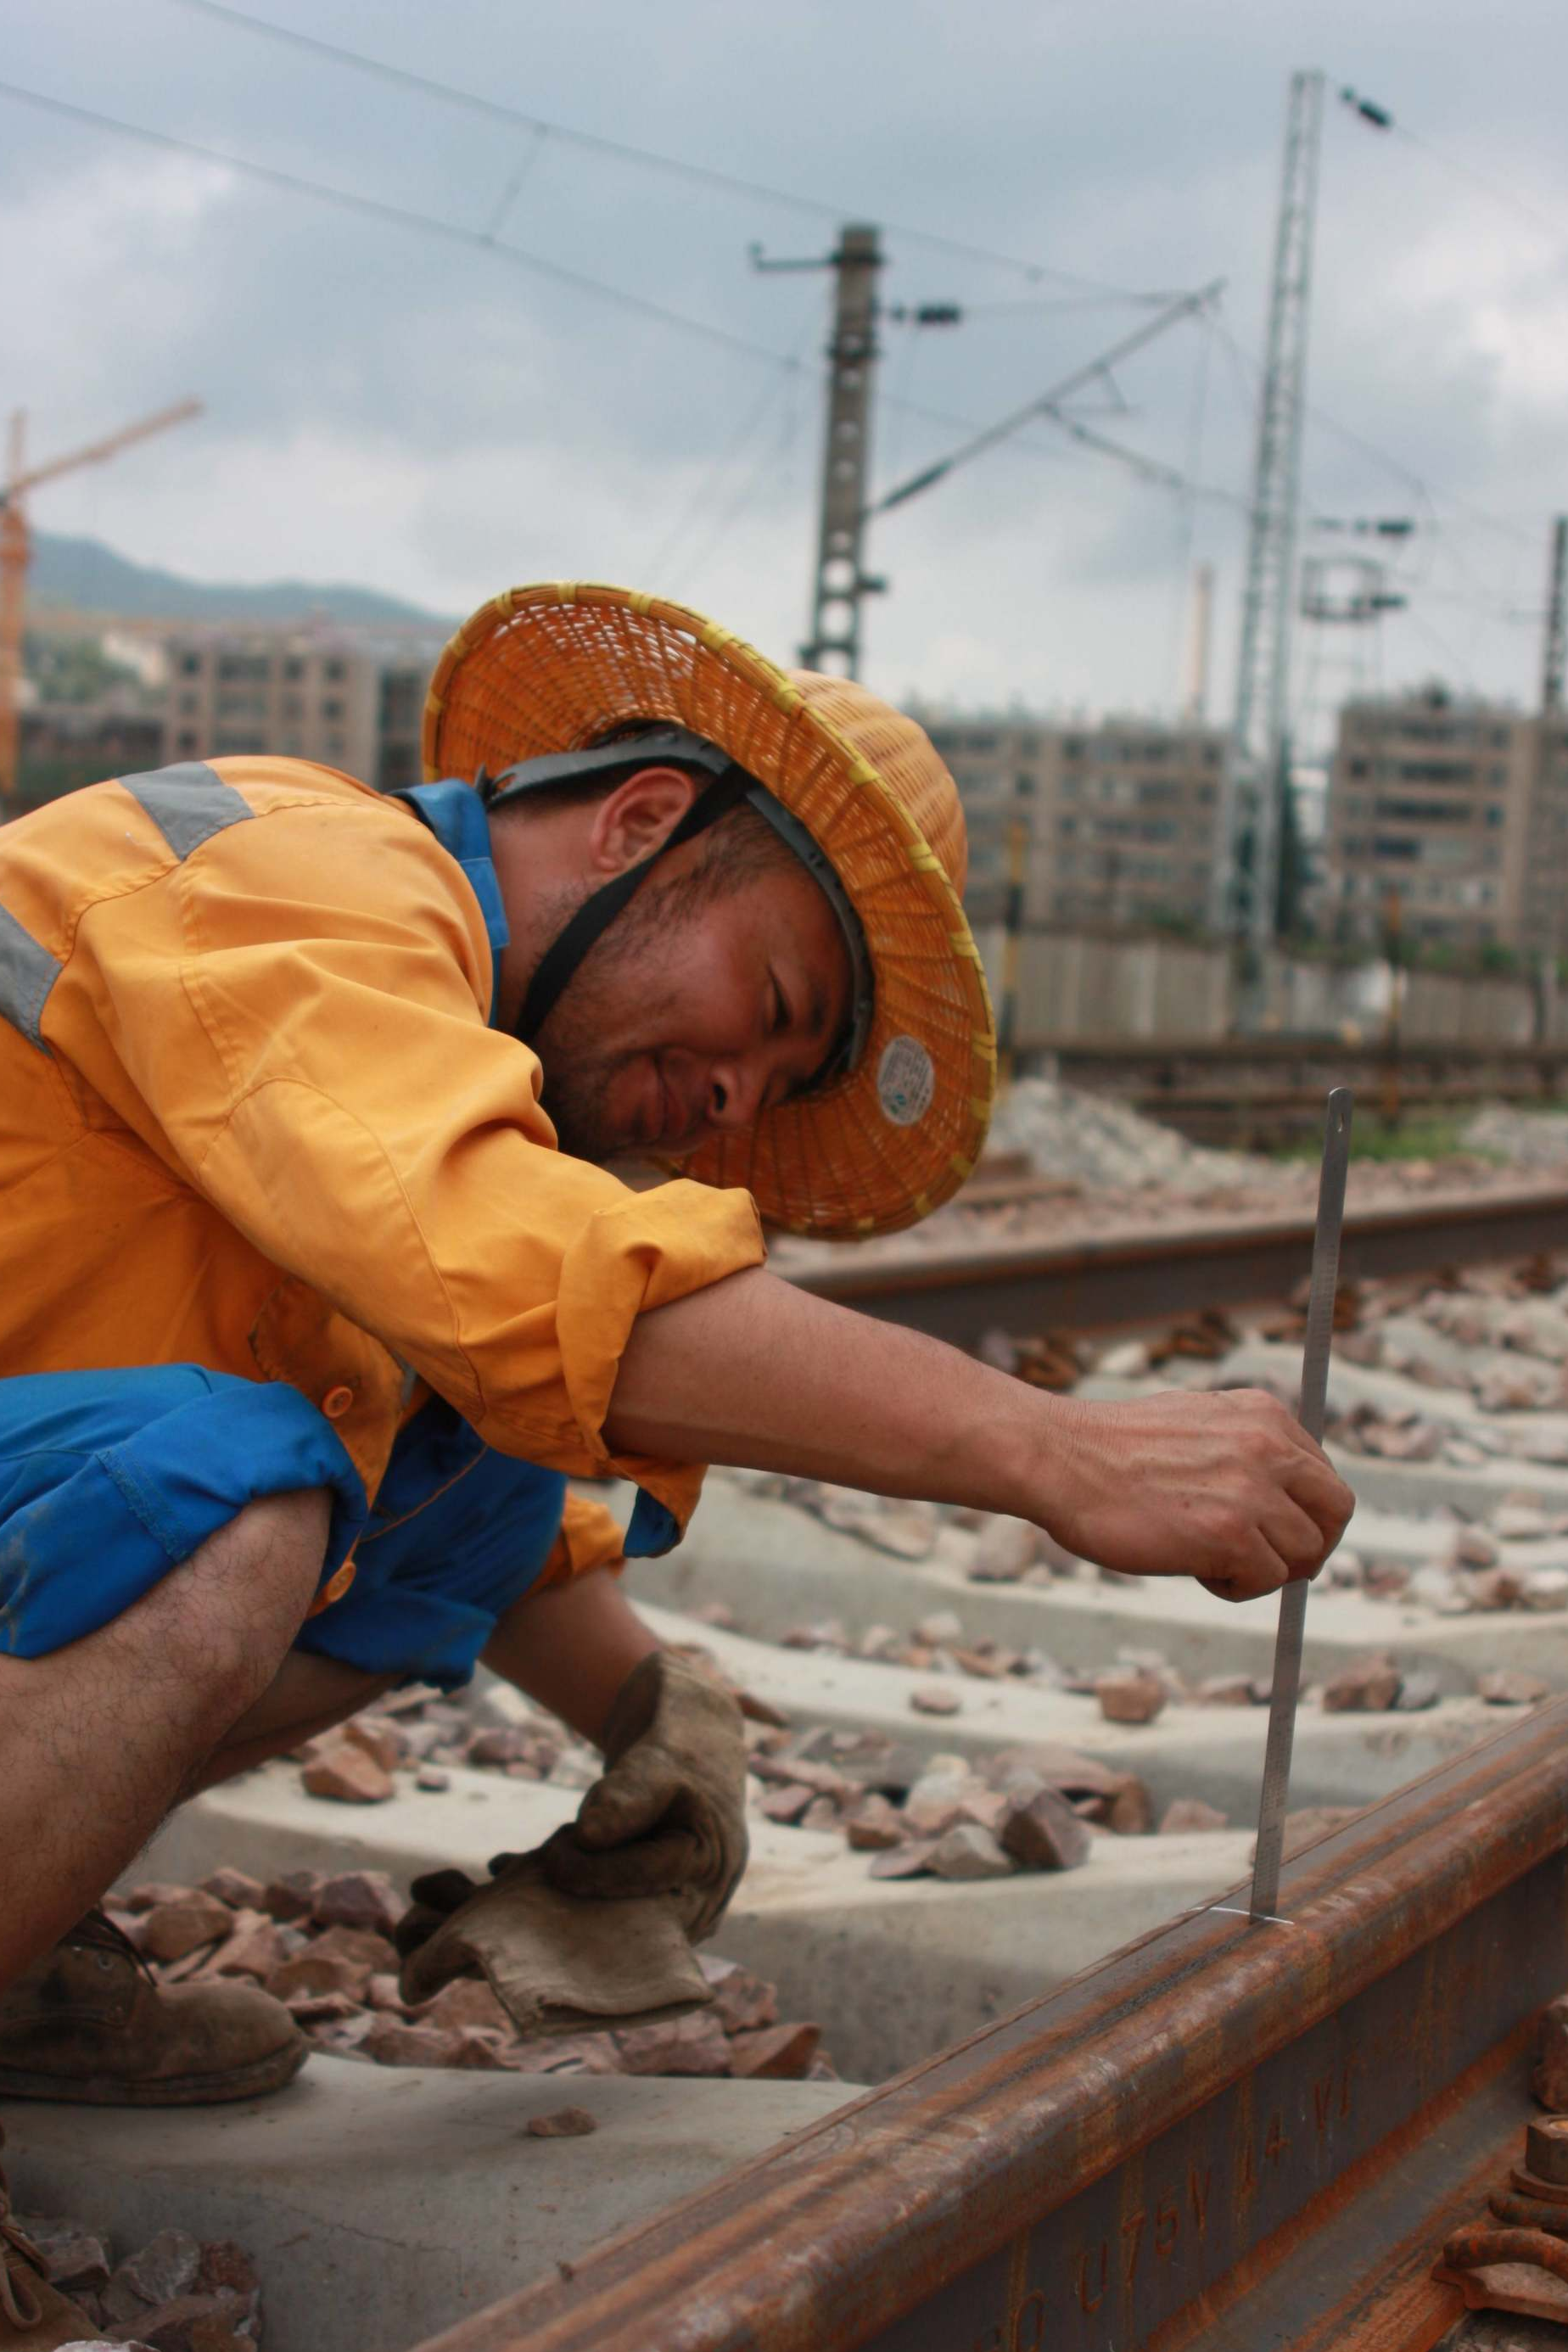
[434, 419]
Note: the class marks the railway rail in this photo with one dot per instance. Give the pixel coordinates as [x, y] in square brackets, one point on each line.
[1253, 1093]
[1127, 1278]
[1229, 2136]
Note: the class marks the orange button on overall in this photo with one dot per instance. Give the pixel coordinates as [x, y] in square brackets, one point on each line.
[336, 1402]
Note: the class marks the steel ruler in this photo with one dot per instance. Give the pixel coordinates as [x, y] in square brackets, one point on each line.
[1288, 1641]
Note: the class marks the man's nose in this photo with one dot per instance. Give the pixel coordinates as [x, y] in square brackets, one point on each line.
[734, 1095]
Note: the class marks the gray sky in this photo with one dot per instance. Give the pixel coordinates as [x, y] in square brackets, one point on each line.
[438, 421]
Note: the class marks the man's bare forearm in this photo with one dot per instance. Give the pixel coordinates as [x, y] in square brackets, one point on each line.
[755, 1373]
[571, 1646]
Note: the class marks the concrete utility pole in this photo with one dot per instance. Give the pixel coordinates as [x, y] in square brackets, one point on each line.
[1200, 630]
[841, 582]
[1552, 652]
[1263, 678]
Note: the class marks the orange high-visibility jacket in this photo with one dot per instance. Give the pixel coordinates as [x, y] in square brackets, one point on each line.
[251, 1116]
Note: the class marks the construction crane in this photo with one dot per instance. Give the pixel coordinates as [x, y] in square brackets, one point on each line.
[16, 549]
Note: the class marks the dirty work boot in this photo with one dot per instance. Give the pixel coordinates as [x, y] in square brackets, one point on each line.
[89, 2022]
[34, 2315]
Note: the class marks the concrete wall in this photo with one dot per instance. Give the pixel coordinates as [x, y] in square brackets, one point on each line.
[1074, 984]
[1077, 986]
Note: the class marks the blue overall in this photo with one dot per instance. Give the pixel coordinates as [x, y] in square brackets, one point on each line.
[108, 1479]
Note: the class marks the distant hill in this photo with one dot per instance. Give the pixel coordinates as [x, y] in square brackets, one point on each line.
[91, 577]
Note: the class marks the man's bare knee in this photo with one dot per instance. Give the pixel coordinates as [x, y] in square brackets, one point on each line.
[232, 1610]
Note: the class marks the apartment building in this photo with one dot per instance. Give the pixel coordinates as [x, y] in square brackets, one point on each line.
[1456, 811]
[1118, 823]
[64, 745]
[349, 700]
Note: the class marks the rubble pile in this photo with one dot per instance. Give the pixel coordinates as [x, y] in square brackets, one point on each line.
[956, 1817]
[173, 2294]
[1477, 1374]
[322, 1944]
[1525, 1139]
[1100, 1165]
[1093, 1141]
[417, 1735]
[937, 1645]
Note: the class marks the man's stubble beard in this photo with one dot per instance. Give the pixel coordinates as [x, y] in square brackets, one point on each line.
[623, 967]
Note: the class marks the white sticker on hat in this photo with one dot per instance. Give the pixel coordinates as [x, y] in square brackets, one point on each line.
[906, 1081]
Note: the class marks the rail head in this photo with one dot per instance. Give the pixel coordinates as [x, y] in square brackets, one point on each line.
[988, 2163]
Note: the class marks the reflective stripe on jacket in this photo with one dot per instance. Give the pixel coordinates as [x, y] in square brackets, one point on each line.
[251, 1115]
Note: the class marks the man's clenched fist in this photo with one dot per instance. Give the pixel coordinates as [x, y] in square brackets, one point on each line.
[1226, 1487]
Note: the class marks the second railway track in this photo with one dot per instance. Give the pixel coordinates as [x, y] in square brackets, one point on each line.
[1123, 1276]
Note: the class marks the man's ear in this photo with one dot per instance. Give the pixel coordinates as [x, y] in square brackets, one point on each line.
[630, 823]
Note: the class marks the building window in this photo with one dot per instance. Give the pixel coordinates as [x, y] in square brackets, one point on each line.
[334, 672]
[190, 665]
[1397, 812]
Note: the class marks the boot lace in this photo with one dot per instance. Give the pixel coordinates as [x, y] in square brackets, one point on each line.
[18, 2256]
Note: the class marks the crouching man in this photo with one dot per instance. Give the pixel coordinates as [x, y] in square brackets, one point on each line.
[315, 1287]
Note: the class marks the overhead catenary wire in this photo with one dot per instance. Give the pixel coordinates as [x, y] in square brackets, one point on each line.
[1415, 483]
[407, 78]
[773, 461]
[785, 366]
[404, 216]
[752, 422]
[522, 172]
[481, 241]
[1048, 404]
[1381, 118]
[484, 241]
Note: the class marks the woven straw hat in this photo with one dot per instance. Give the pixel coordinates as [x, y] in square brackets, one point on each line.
[549, 668]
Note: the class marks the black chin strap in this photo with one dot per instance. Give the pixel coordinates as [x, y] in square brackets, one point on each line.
[725, 785]
[595, 916]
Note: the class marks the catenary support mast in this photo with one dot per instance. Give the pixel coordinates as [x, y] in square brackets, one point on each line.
[1263, 677]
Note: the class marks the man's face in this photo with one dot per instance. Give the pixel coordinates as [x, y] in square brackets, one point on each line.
[685, 1020]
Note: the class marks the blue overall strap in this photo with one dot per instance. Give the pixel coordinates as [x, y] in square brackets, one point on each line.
[456, 816]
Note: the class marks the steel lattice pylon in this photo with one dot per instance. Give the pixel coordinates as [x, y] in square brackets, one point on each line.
[1248, 892]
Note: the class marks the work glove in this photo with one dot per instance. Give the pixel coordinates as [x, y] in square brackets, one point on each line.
[557, 1966]
[669, 1814]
